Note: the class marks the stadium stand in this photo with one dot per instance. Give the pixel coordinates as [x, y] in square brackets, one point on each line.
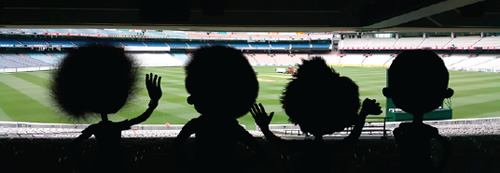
[33, 42]
[260, 45]
[9, 42]
[263, 59]
[110, 42]
[110, 32]
[156, 34]
[133, 43]
[177, 44]
[196, 44]
[10, 31]
[301, 45]
[181, 57]
[175, 34]
[280, 45]
[354, 59]
[239, 45]
[321, 45]
[218, 44]
[409, 42]
[34, 31]
[83, 42]
[20, 60]
[377, 60]
[471, 62]
[62, 43]
[60, 31]
[283, 59]
[156, 59]
[380, 43]
[463, 41]
[488, 42]
[155, 44]
[436, 42]
[46, 58]
[353, 43]
[85, 31]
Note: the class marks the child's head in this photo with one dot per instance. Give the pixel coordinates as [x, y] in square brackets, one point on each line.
[221, 82]
[93, 79]
[319, 100]
[418, 81]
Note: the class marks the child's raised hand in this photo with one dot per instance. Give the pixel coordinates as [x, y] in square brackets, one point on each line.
[259, 114]
[153, 86]
[371, 107]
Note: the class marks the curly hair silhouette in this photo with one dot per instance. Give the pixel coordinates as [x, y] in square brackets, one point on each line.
[93, 79]
[319, 100]
[237, 91]
[220, 99]
[98, 80]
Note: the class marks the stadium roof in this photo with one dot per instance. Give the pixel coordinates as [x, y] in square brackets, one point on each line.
[256, 15]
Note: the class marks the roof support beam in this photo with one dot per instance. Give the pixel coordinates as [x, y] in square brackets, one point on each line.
[421, 13]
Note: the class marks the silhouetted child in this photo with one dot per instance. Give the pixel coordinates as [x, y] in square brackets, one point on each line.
[222, 87]
[321, 102]
[98, 80]
[418, 83]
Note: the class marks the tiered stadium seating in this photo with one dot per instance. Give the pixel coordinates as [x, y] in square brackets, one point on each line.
[155, 44]
[155, 34]
[463, 41]
[380, 43]
[218, 44]
[109, 32]
[280, 46]
[284, 59]
[259, 45]
[156, 59]
[353, 43]
[21, 60]
[197, 44]
[493, 63]
[409, 42]
[177, 44]
[46, 58]
[83, 42]
[85, 31]
[173, 34]
[377, 60]
[60, 31]
[435, 42]
[181, 57]
[10, 31]
[34, 31]
[352, 59]
[110, 42]
[33, 42]
[251, 59]
[8, 42]
[488, 42]
[264, 59]
[62, 43]
[133, 43]
[239, 45]
[321, 45]
[301, 45]
[451, 60]
[471, 62]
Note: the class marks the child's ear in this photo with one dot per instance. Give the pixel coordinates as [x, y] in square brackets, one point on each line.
[449, 92]
[387, 92]
[190, 100]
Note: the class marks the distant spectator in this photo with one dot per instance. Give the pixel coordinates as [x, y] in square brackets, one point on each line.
[95, 81]
[321, 102]
[220, 99]
[418, 83]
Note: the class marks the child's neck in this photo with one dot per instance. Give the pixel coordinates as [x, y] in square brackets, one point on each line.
[418, 118]
[104, 117]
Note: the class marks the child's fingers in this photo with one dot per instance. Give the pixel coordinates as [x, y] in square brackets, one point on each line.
[271, 116]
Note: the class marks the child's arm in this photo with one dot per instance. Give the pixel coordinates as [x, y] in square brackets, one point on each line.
[155, 93]
[76, 149]
[178, 144]
[259, 114]
[369, 107]
[447, 151]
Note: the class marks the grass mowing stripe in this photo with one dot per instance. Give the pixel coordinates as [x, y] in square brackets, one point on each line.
[29, 89]
[4, 116]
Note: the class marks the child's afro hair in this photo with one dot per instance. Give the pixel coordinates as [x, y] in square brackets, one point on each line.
[92, 80]
[319, 100]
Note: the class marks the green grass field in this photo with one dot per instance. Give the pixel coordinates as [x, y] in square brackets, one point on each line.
[24, 96]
